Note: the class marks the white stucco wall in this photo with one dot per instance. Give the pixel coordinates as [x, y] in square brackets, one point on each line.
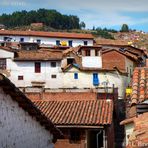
[18, 129]
[128, 131]
[85, 80]
[6, 54]
[26, 69]
[92, 61]
[46, 40]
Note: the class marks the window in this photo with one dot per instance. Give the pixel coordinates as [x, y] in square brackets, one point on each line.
[3, 64]
[70, 43]
[96, 52]
[85, 42]
[87, 52]
[58, 42]
[53, 64]
[6, 38]
[95, 79]
[74, 136]
[21, 39]
[70, 61]
[53, 76]
[75, 75]
[38, 41]
[37, 67]
[127, 70]
[20, 78]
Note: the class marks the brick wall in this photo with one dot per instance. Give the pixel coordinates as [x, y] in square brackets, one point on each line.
[64, 143]
[113, 59]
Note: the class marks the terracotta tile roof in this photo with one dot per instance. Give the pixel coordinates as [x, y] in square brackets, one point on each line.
[27, 105]
[85, 112]
[139, 85]
[110, 42]
[59, 96]
[139, 137]
[38, 55]
[126, 53]
[47, 34]
[7, 49]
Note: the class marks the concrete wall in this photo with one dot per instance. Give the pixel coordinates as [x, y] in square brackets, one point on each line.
[18, 129]
[85, 80]
[47, 40]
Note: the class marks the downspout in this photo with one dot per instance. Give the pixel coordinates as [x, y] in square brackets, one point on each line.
[97, 137]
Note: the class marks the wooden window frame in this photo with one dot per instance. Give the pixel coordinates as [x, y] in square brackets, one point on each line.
[53, 76]
[20, 77]
[37, 67]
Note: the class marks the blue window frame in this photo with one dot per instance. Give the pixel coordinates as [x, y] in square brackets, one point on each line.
[95, 79]
[38, 41]
[75, 75]
[21, 39]
[85, 42]
[70, 43]
[58, 42]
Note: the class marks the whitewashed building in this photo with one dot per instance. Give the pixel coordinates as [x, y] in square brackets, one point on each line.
[40, 68]
[49, 38]
[22, 125]
[90, 67]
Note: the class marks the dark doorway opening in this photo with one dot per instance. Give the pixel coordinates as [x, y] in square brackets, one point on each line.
[95, 139]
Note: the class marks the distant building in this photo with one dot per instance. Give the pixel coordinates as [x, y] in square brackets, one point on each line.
[21, 123]
[51, 38]
[37, 25]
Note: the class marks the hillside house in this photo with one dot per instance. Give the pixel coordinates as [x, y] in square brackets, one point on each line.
[49, 38]
[92, 67]
[123, 46]
[41, 68]
[21, 123]
[137, 110]
[84, 120]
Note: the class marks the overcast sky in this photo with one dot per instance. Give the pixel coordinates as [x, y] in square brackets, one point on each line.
[98, 13]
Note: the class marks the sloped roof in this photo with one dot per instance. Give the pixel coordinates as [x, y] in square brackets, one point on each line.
[7, 49]
[139, 85]
[47, 34]
[110, 42]
[38, 55]
[27, 105]
[78, 112]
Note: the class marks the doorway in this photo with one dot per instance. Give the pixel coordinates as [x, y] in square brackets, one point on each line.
[95, 139]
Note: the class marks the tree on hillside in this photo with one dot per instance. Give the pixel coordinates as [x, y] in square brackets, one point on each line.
[50, 18]
[82, 25]
[124, 28]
